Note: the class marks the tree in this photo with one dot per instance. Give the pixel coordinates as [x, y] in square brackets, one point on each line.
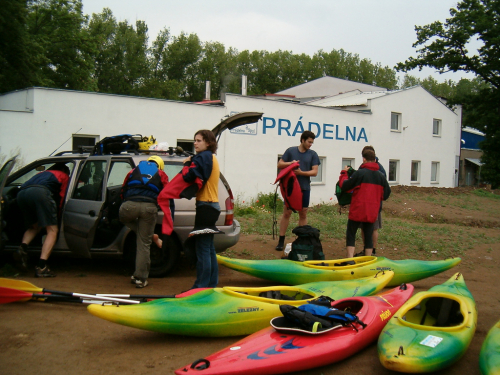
[445, 47]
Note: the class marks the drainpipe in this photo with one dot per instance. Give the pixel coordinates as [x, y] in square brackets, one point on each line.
[244, 85]
[207, 90]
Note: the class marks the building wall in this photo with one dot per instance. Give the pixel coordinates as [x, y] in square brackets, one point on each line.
[247, 155]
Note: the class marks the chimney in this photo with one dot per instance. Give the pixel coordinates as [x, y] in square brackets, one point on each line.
[207, 90]
[244, 85]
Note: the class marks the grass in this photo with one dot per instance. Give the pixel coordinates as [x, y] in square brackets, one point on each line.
[417, 236]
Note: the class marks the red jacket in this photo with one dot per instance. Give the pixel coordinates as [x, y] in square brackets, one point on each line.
[369, 187]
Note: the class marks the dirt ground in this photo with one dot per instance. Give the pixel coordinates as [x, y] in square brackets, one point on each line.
[63, 338]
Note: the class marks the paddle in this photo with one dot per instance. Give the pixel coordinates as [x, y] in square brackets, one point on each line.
[28, 287]
[8, 295]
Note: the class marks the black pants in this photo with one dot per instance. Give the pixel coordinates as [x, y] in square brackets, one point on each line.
[352, 228]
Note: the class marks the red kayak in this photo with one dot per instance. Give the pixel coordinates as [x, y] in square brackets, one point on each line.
[276, 352]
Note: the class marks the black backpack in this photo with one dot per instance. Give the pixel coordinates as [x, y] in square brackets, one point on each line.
[307, 245]
[116, 144]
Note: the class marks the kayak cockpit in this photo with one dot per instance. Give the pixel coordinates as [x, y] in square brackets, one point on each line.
[340, 263]
[436, 311]
[277, 295]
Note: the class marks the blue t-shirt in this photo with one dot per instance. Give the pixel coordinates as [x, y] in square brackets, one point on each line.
[307, 160]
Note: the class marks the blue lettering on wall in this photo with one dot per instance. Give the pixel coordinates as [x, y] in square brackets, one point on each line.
[318, 132]
[265, 126]
[362, 134]
[349, 133]
[337, 134]
[326, 131]
[298, 128]
[285, 128]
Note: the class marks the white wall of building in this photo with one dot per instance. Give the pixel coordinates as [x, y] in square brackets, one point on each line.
[39, 120]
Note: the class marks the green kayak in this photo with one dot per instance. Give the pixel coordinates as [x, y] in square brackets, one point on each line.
[489, 357]
[231, 311]
[290, 272]
[431, 331]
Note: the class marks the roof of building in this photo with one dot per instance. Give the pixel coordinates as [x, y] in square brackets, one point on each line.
[327, 86]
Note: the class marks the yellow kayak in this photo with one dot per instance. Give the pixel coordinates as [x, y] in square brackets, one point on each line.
[431, 331]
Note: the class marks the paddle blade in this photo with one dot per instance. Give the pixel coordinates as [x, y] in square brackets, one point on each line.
[19, 285]
[8, 295]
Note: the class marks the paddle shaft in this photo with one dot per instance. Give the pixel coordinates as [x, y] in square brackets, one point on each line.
[91, 296]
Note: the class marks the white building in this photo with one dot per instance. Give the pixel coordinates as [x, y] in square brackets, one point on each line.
[416, 137]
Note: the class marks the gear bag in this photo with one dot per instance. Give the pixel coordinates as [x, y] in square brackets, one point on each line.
[307, 245]
[116, 144]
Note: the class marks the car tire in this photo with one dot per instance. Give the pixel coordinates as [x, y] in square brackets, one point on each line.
[164, 260]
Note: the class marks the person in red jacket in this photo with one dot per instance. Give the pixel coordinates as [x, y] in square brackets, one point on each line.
[370, 188]
[41, 199]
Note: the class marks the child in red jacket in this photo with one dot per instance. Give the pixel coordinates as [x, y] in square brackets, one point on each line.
[370, 188]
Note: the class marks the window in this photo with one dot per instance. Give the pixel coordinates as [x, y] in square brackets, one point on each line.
[393, 171]
[415, 171]
[89, 186]
[119, 170]
[436, 127]
[81, 140]
[187, 145]
[318, 179]
[435, 171]
[395, 121]
[39, 168]
[348, 161]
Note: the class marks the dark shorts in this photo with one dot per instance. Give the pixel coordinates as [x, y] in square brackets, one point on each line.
[352, 228]
[37, 206]
[306, 196]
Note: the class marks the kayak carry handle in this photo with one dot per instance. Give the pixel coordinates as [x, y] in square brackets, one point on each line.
[403, 286]
[205, 364]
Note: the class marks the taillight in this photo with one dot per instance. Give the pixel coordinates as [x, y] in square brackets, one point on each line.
[229, 208]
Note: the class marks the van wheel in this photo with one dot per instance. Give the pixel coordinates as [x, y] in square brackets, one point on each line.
[164, 260]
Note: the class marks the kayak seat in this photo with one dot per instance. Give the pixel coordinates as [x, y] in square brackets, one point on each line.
[343, 264]
[276, 294]
[446, 311]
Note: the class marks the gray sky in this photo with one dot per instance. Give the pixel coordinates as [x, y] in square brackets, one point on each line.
[382, 31]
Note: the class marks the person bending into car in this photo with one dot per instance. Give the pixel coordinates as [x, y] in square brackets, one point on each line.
[41, 199]
[139, 211]
[204, 166]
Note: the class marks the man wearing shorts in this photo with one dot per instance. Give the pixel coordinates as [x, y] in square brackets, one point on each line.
[40, 200]
[370, 188]
[308, 167]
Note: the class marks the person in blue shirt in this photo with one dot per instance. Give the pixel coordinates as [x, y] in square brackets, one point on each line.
[308, 167]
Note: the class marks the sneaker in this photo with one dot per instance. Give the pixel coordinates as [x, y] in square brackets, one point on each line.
[360, 254]
[140, 284]
[44, 272]
[133, 279]
[21, 258]
[279, 247]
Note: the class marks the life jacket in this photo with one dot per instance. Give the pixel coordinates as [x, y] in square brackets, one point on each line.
[312, 317]
[290, 187]
[143, 181]
[177, 188]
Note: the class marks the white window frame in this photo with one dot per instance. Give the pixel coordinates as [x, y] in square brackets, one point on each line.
[437, 167]
[319, 179]
[439, 126]
[348, 161]
[395, 180]
[398, 116]
[418, 164]
[95, 137]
